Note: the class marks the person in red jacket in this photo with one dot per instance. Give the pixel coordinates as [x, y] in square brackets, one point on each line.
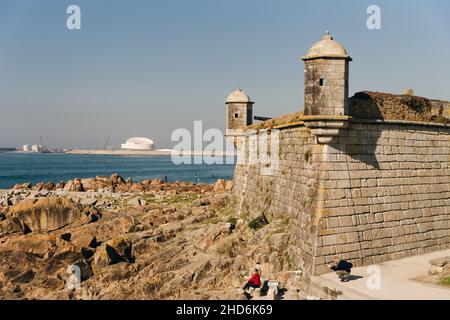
[254, 281]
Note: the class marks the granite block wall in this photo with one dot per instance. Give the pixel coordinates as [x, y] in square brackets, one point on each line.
[378, 191]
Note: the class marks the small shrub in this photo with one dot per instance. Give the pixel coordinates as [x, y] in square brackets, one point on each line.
[226, 248]
[258, 223]
[441, 119]
[149, 198]
[307, 155]
[445, 281]
[233, 221]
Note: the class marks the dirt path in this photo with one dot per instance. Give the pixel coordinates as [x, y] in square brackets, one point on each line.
[398, 279]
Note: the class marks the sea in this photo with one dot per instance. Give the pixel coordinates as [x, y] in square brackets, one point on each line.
[18, 167]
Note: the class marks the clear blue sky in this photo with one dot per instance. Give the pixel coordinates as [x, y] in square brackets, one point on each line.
[144, 68]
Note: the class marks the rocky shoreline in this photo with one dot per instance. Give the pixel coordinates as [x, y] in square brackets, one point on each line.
[143, 240]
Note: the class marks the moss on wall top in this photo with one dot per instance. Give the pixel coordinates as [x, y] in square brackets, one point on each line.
[385, 106]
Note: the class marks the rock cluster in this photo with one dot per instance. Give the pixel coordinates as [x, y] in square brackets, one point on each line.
[439, 265]
[114, 183]
[169, 242]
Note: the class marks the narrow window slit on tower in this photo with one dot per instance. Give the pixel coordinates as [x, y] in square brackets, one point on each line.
[321, 82]
[236, 115]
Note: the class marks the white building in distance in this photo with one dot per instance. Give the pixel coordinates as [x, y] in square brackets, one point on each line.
[138, 143]
[37, 148]
[26, 148]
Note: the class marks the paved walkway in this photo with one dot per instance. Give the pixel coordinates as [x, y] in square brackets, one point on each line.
[397, 281]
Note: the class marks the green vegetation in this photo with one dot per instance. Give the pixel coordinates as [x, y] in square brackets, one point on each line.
[288, 260]
[226, 248]
[176, 199]
[441, 119]
[308, 155]
[212, 220]
[258, 223]
[149, 198]
[233, 221]
[445, 281]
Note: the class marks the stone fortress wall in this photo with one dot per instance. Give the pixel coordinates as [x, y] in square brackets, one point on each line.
[287, 196]
[367, 178]
[378, 191]
[386, 193]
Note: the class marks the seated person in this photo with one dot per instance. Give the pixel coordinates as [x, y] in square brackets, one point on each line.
[254, 282]
[342, 268]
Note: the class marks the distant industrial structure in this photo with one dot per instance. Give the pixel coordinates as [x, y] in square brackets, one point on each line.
[138, 143]
[32, 148]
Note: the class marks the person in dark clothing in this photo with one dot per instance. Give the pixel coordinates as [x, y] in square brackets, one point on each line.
[342, 268]
[254, 281]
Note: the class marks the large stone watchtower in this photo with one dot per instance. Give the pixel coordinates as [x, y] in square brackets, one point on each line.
[326, 78]
[239, 111]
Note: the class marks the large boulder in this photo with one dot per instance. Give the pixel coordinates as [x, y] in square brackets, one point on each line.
[136, 187]
[60, 185]
[38, 186]
[220, 186]
[89, 184]
[48, 214]
[49, 186]
[116, 179]
[68, 186]
[112, 252]
[229, 185]
[85, 269]
[20, 186]
[74, 185]
[101, 179]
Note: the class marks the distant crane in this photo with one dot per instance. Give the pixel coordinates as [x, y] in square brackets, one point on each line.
[107, 143]
[44, 148]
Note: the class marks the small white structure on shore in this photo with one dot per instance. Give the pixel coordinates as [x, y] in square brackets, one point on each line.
[26, 148]
[138, 143]
[37, 148]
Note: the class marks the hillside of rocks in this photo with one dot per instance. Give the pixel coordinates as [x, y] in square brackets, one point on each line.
[146, 240]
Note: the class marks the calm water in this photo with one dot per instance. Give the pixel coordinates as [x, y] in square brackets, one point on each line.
[18, 168]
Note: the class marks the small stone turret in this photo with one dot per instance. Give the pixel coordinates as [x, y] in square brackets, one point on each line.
[326, 78]
[239, 111]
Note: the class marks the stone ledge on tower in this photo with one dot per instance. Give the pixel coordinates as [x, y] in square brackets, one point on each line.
[325, 127]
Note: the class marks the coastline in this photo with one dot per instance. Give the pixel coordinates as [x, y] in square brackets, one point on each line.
[151, 153]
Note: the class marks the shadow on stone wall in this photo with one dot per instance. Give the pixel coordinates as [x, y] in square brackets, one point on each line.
[359, 145]
[361, 140]
[363, 106]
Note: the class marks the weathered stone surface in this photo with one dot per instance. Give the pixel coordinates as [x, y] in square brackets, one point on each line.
[89, 184]
[367, 195]
[228, 185]
[150, 251]
[440, 262]
[85, 269]
[134, 202]
[47, 214]
[20, 186]
[112, 252]
[220, 186]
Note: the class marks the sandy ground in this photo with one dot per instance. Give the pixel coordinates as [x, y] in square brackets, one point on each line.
[400, 279]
